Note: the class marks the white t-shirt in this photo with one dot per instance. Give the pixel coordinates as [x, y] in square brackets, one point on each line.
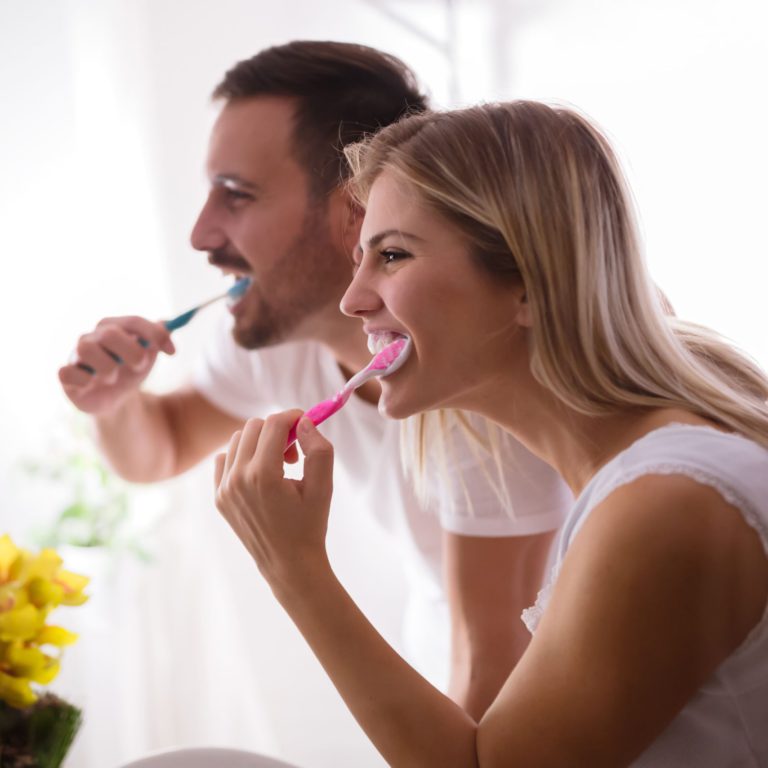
[368, 473]
[726, 722]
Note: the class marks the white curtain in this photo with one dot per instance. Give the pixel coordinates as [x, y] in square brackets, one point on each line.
[105, 116]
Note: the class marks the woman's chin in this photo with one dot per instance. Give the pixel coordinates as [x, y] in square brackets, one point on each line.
[390, 408]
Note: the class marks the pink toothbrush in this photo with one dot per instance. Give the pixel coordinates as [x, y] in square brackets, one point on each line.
[385, 362]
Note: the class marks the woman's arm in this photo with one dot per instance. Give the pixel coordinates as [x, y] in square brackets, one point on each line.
[283, 523]
[409, 721]
[641, 615]
[662, 583]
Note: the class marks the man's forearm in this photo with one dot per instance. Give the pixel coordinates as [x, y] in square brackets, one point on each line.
[137, 439]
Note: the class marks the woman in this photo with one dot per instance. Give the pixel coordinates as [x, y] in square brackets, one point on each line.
[501, 240]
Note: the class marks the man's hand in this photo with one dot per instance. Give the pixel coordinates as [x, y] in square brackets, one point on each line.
[110, 363]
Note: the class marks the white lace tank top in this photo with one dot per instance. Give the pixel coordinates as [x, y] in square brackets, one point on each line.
[725, 724]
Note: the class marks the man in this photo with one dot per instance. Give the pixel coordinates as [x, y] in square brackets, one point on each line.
[277, 212]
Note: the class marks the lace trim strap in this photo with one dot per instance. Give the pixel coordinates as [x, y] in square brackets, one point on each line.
[532, 616]
[730, 494]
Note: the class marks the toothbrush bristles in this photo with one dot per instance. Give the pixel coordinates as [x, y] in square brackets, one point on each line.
[235, 292]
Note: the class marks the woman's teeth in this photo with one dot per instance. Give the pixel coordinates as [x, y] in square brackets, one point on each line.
[377, 341]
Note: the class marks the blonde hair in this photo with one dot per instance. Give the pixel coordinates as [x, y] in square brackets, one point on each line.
[539, 194]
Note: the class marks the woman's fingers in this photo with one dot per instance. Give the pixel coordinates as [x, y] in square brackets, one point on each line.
[218, 469]
[291, 456]
[273, 516]
[253, 464]
[229, 461]
[239, 452]
[268, 458]
[318, 462]
[249, 439]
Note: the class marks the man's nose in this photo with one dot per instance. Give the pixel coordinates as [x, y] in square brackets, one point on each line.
[206, 234]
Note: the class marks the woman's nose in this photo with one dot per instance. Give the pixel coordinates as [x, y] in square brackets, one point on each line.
[360, 298]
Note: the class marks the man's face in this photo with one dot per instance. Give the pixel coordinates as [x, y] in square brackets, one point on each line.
[260, 221]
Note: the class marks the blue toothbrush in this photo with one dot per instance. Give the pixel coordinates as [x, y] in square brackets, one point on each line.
[235, 292]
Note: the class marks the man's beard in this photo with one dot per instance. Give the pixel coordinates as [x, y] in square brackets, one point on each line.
[313, 274]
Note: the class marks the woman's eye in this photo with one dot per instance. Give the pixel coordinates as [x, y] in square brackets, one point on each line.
[389, 256]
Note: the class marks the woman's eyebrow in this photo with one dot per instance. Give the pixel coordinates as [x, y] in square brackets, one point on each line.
[376, 239]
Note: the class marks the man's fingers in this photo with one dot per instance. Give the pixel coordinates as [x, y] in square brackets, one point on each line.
[119, 342]
[74, 376]
[90, 352]
[153, 333]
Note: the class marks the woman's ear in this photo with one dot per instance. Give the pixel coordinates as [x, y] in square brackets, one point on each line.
[524, 315]
[353, 221]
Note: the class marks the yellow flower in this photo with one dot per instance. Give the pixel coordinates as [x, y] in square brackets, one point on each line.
[55, 636]
[30, 588]
[21, 623]
[73, 585]
[8, 555]
[42, 592]
[16, 691]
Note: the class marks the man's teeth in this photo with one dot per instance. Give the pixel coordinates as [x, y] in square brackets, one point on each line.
[377, 341]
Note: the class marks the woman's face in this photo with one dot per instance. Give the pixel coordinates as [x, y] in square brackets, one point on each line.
[415, 276]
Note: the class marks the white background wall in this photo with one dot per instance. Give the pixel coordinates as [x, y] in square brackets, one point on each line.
[103, 124]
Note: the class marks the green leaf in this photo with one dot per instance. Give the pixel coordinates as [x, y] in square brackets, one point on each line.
[76, 511]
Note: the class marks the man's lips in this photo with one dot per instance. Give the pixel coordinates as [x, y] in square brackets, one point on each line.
[229, 264]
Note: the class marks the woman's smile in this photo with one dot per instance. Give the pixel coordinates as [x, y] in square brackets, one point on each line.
[415, 276]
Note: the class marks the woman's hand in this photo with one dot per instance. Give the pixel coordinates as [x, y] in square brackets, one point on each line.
[281, 522]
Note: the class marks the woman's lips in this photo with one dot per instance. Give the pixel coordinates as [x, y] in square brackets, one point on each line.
[377, 340]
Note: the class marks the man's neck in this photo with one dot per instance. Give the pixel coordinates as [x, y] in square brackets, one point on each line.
[343, 337]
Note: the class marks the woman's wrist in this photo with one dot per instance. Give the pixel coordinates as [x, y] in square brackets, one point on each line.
[301, 579]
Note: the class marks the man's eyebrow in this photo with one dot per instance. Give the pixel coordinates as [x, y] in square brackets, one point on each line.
[376, 239]
[233, 181]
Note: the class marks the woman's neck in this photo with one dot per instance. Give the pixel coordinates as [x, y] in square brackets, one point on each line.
[574, 444]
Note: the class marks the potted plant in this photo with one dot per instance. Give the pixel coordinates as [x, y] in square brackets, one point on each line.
[36, 728]
[94, 504]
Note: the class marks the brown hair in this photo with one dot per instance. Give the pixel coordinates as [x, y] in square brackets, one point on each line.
[343, 92]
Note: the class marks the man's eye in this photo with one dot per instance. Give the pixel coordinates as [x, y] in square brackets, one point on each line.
[236, 194]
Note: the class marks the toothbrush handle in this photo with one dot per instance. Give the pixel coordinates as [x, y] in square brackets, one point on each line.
[317, 414]
[171, 325]
[181, 320]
